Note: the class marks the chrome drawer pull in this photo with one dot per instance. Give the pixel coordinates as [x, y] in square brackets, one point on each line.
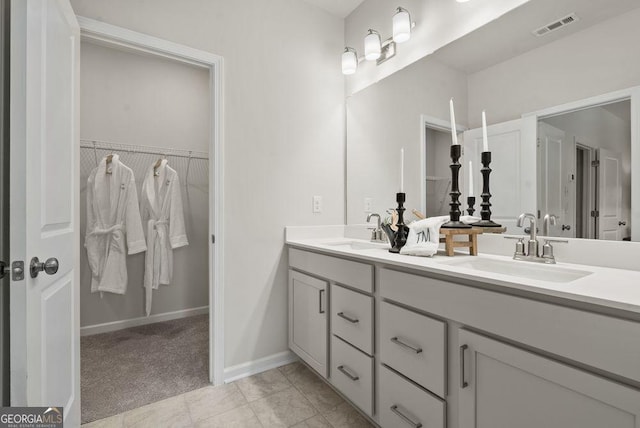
[348, 318]
[347, 374]
[405, 345]
[405, 418]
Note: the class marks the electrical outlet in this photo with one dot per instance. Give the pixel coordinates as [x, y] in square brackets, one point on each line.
[317, 204]
[368, 205]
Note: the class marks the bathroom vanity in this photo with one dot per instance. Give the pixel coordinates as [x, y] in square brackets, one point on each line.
[467, 341]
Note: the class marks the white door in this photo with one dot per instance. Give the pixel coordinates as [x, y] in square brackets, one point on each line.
[556, 188]
[502, 386]
[610, 222]
[513, 172]
[45, 366]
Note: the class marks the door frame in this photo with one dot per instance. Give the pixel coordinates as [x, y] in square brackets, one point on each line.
[439, 125]
[591, 185]
[121, 38]
[530, 137]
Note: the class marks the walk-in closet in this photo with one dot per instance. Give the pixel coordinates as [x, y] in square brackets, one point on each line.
[144, 206]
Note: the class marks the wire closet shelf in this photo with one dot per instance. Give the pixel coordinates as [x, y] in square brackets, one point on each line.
[100, 148]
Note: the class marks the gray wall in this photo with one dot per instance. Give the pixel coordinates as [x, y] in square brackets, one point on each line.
[146, 100]
[284, 139]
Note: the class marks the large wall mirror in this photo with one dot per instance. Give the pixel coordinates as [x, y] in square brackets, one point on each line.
[560, 83]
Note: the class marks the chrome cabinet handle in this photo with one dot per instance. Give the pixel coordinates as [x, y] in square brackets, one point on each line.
[50, 266]
[463, 382]
[320, 307]
[348, 318]
[566, 227]
[406, 345]
[347, 374]
[404, 417]
[622, 223]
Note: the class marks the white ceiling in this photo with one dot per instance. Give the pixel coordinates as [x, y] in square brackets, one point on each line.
[510, 35]
[341, 8]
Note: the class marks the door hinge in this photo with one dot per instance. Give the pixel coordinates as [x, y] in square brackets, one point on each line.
[213, 239]
[595, 213]
[595, 163]
[17, 270]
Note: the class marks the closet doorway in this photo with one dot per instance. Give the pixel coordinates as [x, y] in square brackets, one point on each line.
[151, 108]
[435, 157]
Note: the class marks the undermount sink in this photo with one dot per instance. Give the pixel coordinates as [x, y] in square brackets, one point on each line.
[549, 273]
[358, 245]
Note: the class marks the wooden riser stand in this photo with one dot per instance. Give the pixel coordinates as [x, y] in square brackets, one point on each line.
[471, 235]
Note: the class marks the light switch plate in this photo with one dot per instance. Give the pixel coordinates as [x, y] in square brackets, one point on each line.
[368, 205]
[317, 204]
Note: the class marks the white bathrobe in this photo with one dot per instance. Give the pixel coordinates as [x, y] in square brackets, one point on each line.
[112, 217]
[162, 210]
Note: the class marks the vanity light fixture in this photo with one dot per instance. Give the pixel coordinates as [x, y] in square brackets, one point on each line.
[401, 25]
[349, 61]
[372, 45]
[462, 1]
[374, 48]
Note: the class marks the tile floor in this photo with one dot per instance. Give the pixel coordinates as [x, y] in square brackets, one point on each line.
[289, 396]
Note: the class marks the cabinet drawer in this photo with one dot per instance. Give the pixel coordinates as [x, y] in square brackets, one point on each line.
[353, 274]
[352, 317]
[403, 404]
[352, 374]
[589, 338]
[414, 345]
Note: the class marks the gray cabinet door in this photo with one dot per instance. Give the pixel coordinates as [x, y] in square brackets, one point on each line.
[502, 386]
[308, 320]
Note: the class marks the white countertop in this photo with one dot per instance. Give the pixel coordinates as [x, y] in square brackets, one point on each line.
[612, 288]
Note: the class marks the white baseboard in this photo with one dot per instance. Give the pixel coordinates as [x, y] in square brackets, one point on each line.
[258, 366]
[134, 322]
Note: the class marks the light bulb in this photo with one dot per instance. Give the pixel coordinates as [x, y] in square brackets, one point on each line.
[401, 25]
[372, 45]
[349, 61]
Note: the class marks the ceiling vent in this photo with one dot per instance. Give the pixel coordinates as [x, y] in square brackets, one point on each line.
[555, 25]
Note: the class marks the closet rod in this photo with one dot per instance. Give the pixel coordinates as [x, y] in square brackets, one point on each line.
[112, 146]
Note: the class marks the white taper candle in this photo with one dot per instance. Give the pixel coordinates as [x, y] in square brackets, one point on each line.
[485, 139]
[454, 134]
[402, 170]
[470, 178]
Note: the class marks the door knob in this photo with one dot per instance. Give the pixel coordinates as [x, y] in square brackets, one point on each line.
[622, 223]
[566, 227]
[50, 266]
[3, 269]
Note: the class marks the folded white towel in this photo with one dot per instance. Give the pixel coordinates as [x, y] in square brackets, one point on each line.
[424, 235]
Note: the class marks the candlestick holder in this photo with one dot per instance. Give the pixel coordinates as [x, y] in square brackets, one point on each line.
[454, 213]
[485, 212]
[471, 201]
[400, 237]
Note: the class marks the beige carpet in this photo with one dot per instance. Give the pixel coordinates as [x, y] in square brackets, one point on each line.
[126, 369]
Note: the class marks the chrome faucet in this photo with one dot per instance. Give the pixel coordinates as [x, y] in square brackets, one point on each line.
[377, 234]
[532, 245]
[531, 254]
[548, 220]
